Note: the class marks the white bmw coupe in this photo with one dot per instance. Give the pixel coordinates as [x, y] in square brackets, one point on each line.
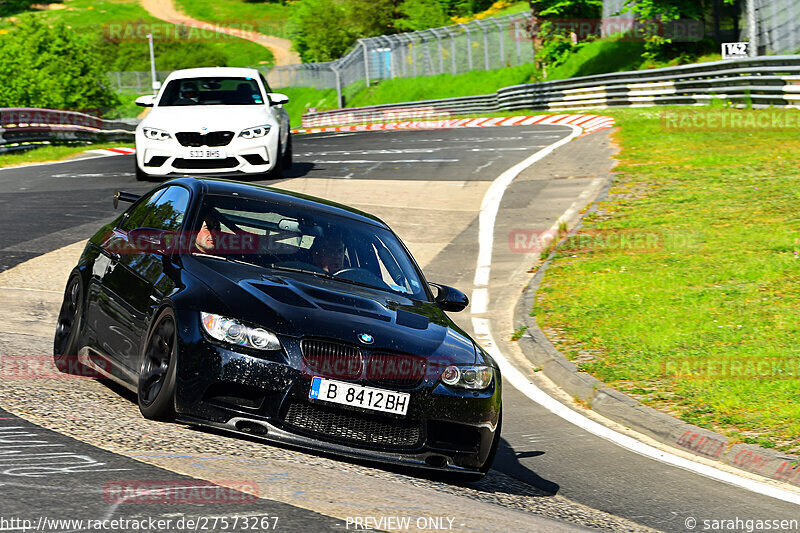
[213, 120]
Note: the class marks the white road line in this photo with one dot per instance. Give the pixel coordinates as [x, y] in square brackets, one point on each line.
[388, 161]
[479, 301]
[488, 216]
[491, 203]
[56, 162]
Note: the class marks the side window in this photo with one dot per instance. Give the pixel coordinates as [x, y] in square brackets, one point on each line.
[139, 211]
[168, 210]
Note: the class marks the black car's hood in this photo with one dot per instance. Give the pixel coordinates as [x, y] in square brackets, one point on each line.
[299, 305]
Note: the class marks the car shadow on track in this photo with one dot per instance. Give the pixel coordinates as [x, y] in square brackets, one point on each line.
[507, 462]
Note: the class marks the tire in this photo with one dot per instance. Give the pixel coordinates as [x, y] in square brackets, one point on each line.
[156, 386]
[286, 160]
[65, 342]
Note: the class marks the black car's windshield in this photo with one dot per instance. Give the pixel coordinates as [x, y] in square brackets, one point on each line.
[286, 238]
[212, 91]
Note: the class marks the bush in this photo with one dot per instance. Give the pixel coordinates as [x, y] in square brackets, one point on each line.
[52, 67]
[11, 7]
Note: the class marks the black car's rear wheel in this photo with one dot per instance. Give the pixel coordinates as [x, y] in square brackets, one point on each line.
[65, 343]
[156, 391]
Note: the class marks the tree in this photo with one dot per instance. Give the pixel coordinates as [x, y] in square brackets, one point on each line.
[551, 28]
[660, 47]
[422, 14]
[52, 67]
[11, 7]
[323, 30]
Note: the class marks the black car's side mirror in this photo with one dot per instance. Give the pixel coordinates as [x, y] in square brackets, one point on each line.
[152, 241]
[450, 299]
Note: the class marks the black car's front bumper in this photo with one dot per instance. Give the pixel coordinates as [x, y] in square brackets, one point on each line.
[266, 395]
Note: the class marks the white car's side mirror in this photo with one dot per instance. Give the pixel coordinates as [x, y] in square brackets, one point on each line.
[147, 100]
[277, 98]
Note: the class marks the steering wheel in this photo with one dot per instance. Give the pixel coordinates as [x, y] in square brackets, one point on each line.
[361, 275]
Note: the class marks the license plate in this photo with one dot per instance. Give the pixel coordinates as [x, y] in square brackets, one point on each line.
[206, 154]
[329, 390]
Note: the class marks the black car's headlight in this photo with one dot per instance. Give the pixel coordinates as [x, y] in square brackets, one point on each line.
[255, 132]
[156, 135]
[473, 377]
[234, 332]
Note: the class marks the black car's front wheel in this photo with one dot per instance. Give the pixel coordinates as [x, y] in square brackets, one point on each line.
[156, 391]
[65, 343]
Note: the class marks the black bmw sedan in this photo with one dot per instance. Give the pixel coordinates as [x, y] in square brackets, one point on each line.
[282, 317]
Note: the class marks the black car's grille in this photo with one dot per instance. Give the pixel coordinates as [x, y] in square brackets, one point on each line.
[228, 162]
[396, 370]
[352, 427]
[332, 359]
[212, 138]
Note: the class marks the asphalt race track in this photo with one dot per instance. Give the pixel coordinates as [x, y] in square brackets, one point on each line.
[428, 186]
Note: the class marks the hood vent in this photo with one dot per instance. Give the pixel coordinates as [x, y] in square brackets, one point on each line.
[284, 295]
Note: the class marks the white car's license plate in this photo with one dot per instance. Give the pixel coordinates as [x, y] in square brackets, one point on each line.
[206, 154]
[329, 390]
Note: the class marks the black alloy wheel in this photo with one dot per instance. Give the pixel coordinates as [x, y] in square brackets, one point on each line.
[156, 391]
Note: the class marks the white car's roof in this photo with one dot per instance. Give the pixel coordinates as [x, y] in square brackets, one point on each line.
[236, 72]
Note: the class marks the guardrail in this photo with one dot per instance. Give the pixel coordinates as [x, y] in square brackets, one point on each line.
[760, 82]
[24, 127]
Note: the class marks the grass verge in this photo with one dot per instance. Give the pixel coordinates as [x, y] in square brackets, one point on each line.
[53, 153]
[682, 288]
[263, 17]
[132, 21]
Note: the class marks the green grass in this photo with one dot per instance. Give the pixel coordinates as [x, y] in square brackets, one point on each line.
[127, 107]
[269, 18]
[599, 57]
[406, 89]
[98, 15]
[713, 278]
[441, 86]
[53, 153]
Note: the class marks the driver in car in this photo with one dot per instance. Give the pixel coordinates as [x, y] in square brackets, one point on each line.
[205, 241]
[188, 94]
[328, 254]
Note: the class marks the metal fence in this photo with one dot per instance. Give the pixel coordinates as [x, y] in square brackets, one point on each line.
[761, 82]
[778, 26]
[478, 45]
[133, 81]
